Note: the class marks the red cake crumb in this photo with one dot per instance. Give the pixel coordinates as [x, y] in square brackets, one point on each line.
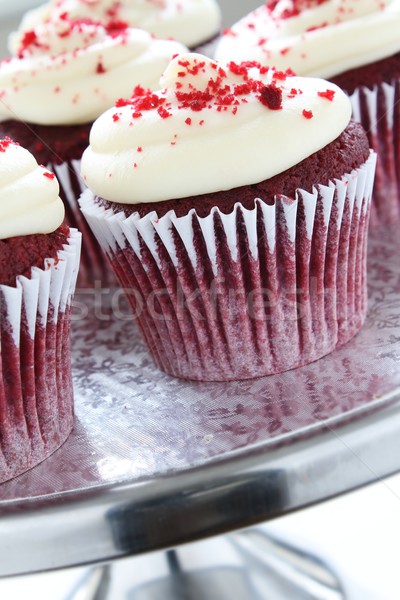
[271, 96]
[219, 91]
[328, 94]
[5, 143]
[19, 254]
[347, 152]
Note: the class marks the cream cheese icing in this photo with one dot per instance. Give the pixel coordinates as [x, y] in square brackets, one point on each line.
[70, 71]
[210, 129]
[319, 38]
[29, 200]
[188, 21]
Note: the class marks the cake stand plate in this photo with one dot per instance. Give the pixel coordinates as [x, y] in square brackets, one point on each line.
[155, 461]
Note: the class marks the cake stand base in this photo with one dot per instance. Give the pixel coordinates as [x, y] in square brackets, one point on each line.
[248, 565]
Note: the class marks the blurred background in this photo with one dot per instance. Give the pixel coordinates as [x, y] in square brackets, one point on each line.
[11, 10]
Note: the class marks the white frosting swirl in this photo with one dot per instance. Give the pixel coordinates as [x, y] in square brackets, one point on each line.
[70, 72]
[29, 201]
[315, 38]
[187, 21]
[210, 130]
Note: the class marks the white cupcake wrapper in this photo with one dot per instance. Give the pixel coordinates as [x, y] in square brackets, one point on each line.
[378, 110]
[36, 398]
[189, 279]
[94, 266]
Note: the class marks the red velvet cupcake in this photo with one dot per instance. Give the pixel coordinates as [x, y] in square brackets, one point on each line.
[64, 74]
[39, 259]
[354, 44]
[234, 211]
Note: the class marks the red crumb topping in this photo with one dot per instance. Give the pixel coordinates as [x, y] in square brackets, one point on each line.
[100, 68]
[328, 94]
[115, 28]
[48, 175]
[219, 92]
[276, 11]
[297, 6]
[5, 143]
[315, 27]
[221, 89]
[84, 26]
[271, 96]
[28, 40]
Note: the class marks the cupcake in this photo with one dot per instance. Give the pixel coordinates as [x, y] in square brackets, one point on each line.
[354, 44]
[233, 205]
[63, 76]
[191, 22]
[39, 259]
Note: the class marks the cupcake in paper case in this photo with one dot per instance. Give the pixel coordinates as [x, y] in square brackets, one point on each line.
[64, 74]
[354, 44]
[191, 22]
[234, 211]
[39, 260]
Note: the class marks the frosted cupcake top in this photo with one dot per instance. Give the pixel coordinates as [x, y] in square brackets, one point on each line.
[188, 21]
[70, 71]
[315, 37]
[210, 129]
[29, 200]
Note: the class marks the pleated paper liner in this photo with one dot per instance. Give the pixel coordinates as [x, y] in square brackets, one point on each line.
[94, 268]
[247, 294]
[36, 395]
[379, 112]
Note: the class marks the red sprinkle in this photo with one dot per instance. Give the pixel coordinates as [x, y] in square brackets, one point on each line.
[328, 94]
[164, 114]
[48, 175]
[271, 96]
[29, 39]
[280, 75]
[307, 114]
[115, 28]
[188, 121]
[100, 68]
[5, 143]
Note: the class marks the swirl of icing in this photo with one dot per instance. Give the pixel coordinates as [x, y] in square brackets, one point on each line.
[210, 129]
[29, 201]
[187, 21]
[70, 71]
[319, 38]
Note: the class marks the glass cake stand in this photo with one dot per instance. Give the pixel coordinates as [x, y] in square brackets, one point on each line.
[154, 462]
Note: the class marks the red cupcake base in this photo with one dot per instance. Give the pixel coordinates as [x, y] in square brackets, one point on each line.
[36, 393]
[251, 293]
[378, 110]
[60, 148]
